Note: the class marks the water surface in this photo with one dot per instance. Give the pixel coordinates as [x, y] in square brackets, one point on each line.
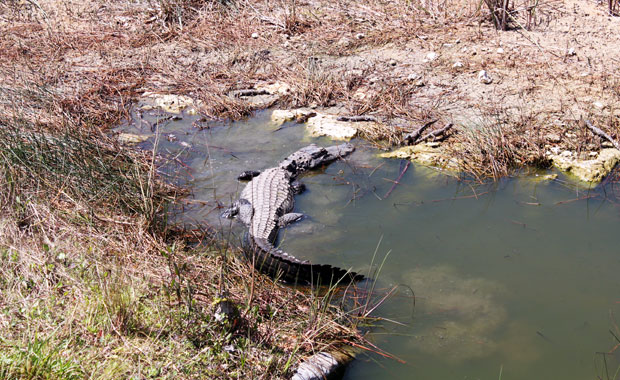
[512, 280]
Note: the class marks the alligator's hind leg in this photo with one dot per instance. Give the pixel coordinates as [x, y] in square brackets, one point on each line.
[289, 218]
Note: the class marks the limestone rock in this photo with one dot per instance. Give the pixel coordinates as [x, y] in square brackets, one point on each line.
[426, 154]
[277, 88]
[167, 102]
[279, 117]
[130, 138]
[593, 170]
[328, 125]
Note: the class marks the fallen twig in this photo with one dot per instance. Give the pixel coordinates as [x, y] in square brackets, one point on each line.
[250, 92]
[357, 118]
[599, 132]
[400, 176]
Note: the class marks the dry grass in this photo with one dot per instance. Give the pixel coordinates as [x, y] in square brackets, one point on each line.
[94, 285]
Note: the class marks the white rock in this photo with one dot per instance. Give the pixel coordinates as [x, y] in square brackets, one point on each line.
[571, 52]
[328, 125]
[484, 77]
[279, 117]
[168, 102]
[599, 105]
[360, 36]
[414, 76]
[431, 56]
[279, 88]
[131, 138]
[255, 35]
[457, 65]
[500, 51]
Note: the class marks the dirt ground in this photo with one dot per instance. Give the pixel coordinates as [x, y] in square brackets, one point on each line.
[404, 62]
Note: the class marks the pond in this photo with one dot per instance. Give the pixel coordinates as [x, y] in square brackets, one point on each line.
[511, 280]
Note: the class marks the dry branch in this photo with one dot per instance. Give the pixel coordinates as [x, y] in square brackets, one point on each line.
[599, 132]
[412, 138]
[435, 134]
[357, 118]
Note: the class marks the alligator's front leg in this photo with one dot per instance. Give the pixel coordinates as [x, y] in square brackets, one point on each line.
[232, 211]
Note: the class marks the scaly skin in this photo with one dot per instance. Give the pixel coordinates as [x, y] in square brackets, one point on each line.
[268, 197]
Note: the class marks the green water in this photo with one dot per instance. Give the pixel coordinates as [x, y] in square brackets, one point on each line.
[513, 280]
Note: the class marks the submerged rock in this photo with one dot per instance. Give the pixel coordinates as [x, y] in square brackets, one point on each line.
[592, 170]
[459, 316]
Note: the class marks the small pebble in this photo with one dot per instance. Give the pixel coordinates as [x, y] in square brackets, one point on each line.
[457, 65]
[431, 56]
[255, 35]
[484, 77]
[360, 36]
[500, 51]
[413, 76]
[599, 105]
[571, 52]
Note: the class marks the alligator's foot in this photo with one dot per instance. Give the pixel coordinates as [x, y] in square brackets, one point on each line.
[248, 175]
[298, 187]
[289, 218]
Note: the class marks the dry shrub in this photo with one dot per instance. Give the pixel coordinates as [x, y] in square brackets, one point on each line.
[496, 148]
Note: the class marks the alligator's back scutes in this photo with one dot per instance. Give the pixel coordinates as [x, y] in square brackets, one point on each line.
[265, 200]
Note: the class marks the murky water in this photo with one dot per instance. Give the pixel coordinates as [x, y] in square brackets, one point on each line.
[514, 280]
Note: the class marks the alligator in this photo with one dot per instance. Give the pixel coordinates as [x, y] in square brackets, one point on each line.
[265, 205]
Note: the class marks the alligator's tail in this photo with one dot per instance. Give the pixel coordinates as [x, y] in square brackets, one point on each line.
[279, 264]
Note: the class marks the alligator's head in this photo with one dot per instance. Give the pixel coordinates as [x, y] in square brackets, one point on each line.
[312, 156]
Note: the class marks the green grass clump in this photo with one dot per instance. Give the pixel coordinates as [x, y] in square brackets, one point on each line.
[39, 359]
